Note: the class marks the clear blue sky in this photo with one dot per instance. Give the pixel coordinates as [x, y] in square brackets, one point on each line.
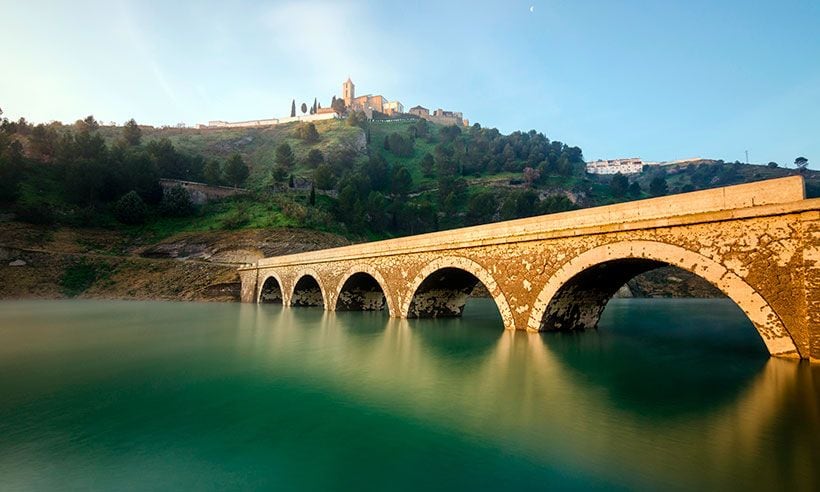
[655, 79]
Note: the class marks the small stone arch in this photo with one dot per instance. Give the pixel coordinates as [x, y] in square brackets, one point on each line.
[373, 272]
[467, 265]
[760, 313]
[308, 272]
[267, 276]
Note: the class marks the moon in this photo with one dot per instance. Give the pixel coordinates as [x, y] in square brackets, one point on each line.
[532, 8]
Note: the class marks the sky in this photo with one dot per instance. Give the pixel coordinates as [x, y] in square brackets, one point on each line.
[659, 79]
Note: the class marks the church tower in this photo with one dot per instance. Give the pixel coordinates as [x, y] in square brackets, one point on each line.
[348, 92]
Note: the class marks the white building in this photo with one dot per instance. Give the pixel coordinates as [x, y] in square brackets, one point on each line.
[632, 165]
[393, 107]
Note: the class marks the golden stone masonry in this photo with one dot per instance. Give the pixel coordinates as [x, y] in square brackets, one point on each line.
[759, 243]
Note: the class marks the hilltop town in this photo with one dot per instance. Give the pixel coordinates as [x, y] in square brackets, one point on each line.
[374, 106]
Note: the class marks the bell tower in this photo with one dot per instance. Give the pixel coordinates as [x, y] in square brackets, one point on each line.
[348, 92]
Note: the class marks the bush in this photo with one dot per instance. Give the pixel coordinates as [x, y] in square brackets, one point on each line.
[130, 209]
[237, 219]
[78, 277]
[307, 132]
[177, 202]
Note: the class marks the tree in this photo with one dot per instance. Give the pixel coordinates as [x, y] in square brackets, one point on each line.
[338, 105]
[304, 108]
[428, 165]
[801, 163]
[398, 145]
[402, 181]
[481, 208]
[291, 184]
[312, 196]
[279, 173]
[212, 172]
[619, 185]
[130, 209]
[293, 108]
[357, 118]
[236, 171]
[89, 124]
[307, 132]
[635, 189]
[520, 204]
[284, 156]
[315, 157]
[555, 203]
[323, 177]
[657, 187]
[10, 177]
[176, 202]
[131, 133]
[531, 176]
[315, 106]
[378, 171]
[772, 164]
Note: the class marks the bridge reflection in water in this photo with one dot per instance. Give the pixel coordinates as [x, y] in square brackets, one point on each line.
[694, 405]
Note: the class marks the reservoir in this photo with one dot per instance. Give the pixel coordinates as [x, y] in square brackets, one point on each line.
[667, 394]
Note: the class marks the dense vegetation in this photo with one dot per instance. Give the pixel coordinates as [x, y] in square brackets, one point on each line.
[357, 177]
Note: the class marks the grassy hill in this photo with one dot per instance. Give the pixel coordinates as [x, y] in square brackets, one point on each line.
[478, 176]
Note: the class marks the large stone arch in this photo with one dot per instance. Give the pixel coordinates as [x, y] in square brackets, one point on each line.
[309, 272]
[760, 313]
[461, 263]
[373, 272]
[264, 278]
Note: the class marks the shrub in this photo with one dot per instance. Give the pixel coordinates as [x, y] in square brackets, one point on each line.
[130, 209]
[78, 277]
[237, 219]
[177, 202]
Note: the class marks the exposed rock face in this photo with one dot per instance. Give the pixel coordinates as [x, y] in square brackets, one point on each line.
[17, 263]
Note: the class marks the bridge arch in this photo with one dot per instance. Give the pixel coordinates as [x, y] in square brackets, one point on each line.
[565, 300]
[465, 265]
[270, 284]
[308, 289]
[376, 276]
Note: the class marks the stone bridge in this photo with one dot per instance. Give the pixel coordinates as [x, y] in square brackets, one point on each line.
[758, 243]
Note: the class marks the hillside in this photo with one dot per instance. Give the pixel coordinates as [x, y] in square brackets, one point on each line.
[82, 207]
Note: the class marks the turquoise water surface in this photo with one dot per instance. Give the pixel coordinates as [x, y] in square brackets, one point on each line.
[665, 395]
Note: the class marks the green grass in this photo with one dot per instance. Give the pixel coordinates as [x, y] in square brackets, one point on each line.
[243, 213]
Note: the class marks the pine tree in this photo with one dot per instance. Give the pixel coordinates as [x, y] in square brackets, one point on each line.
[236, 171]
[312, 196]
[293, 108]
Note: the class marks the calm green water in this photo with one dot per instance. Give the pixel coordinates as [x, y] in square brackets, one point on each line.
[666, 395]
